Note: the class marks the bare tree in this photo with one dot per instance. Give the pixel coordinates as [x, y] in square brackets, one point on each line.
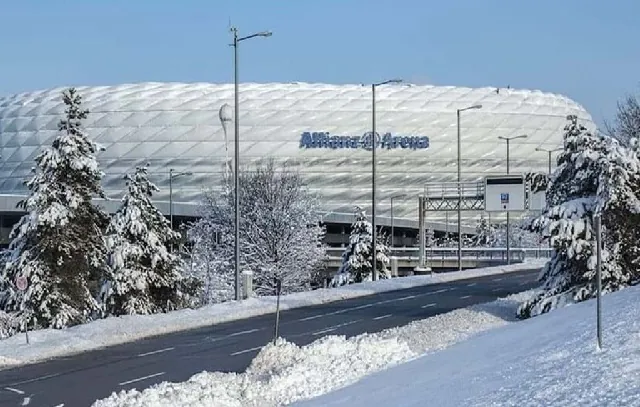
[626, 124]
[280, 232]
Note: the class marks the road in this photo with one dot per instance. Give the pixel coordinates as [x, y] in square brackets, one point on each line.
[78, 380]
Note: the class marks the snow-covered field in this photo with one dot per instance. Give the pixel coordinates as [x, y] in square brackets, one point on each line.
[283, 373]
[550, 360]
[49, 343]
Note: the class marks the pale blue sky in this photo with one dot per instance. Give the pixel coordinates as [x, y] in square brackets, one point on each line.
[587, 50]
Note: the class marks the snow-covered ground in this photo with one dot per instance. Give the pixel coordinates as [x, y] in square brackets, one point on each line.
[550, 360]
[49, 343]
[284, 373]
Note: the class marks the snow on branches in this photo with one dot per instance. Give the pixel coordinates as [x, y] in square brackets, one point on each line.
[142, 276]
[58, 245]
[595, 176]
[357, 265]
[280, 233]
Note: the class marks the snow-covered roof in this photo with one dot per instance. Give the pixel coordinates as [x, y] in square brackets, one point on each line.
[178, 125]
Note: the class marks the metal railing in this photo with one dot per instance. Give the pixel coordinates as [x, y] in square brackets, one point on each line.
[479, 253]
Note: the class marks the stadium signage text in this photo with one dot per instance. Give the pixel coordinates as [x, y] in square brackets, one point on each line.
[387, 140]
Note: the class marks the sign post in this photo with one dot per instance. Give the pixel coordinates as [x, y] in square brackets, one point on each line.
[22, 285]
[278, 284]
[598, 228]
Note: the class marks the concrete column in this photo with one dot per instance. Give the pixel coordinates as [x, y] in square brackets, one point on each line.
[247, 277]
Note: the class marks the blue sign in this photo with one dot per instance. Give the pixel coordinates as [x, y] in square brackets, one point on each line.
[504, 198]
[389, 141]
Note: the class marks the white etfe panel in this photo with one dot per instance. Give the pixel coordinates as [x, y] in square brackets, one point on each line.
[538, 201]
[504, 193]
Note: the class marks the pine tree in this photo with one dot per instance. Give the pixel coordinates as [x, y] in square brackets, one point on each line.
[58, 245]
[357, 265]
[142, 276]
[594, 176]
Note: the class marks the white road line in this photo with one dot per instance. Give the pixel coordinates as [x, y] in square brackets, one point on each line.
[495, 290]
[139, 379]
[471, 285]
[440, 291]
[244, 332]
[14, 390]
[245, 351]
[155, 351]
[324, 331]
[382, 317]
[464, 297]
[498, 279]
[429, 305]
[312, 317]
[26, 401]
[408, 297]
[60, 405]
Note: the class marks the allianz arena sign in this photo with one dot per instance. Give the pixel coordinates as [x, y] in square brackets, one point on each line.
[387, 140]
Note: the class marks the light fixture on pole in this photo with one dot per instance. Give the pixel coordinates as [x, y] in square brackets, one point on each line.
[549, 152]
[392, 198]
[508, 139]
[459, 182]
[236, 164]
[374, 142]
[173, 174]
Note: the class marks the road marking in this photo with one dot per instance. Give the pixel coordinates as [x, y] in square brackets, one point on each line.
[498, 279]
[245, 351]
[324, 331]
[26, 401]
[465, 297]
[244, 332]
[495, 290]
[155, 351]
[312, 317]
[334, 327]
[382, 317]
[525, 283]
[37, 379]
[408, 297]
[429, 305]
[14, 390]
[471, 285]
[139, 379]
[440, 291]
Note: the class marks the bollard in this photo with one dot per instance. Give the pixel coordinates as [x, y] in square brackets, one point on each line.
[394, 266]
[247, 285]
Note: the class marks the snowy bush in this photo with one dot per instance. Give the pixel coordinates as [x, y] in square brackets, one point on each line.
[58, 245]
[280, 233]
[357, 265]
[142, 276]
[595, 175]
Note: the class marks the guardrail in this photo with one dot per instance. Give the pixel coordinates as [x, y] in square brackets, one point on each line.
[489, 253]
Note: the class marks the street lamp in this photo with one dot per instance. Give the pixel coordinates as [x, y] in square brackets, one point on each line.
[459, 181]
[374, 141]
[508, 139]
[392, 198]
[544, 150]
[173, 174]
[236, 41]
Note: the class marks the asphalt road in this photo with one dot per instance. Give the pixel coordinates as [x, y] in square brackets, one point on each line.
[77, 381]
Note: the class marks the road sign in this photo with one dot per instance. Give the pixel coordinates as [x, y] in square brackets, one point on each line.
[21, 283]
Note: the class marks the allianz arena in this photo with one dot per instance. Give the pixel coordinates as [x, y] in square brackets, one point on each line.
[317, 128]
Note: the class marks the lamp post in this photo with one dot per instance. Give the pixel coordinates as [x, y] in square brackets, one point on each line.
[508, 139]
[549, 152]
[459, 181]
[374, 141]
[236, 164]
[173, 174]
[392, 198]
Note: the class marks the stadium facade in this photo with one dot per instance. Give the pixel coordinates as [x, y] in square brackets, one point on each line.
[323, 130]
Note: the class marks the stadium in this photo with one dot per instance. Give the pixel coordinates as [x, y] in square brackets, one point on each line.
[321, 129]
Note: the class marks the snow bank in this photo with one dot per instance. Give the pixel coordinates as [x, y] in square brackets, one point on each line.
[48, 343]
[549, 360]
[285, 373]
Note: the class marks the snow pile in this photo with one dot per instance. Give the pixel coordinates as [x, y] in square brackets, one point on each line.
[49, 343]
[549, 360]
[286, 373]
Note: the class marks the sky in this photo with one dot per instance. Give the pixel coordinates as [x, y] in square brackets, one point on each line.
[584, 49]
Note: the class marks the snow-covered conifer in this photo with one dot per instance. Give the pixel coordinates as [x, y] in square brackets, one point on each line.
[142, 276]
[280, 232]
[595, 175]
[357, 265]
[58, 245]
